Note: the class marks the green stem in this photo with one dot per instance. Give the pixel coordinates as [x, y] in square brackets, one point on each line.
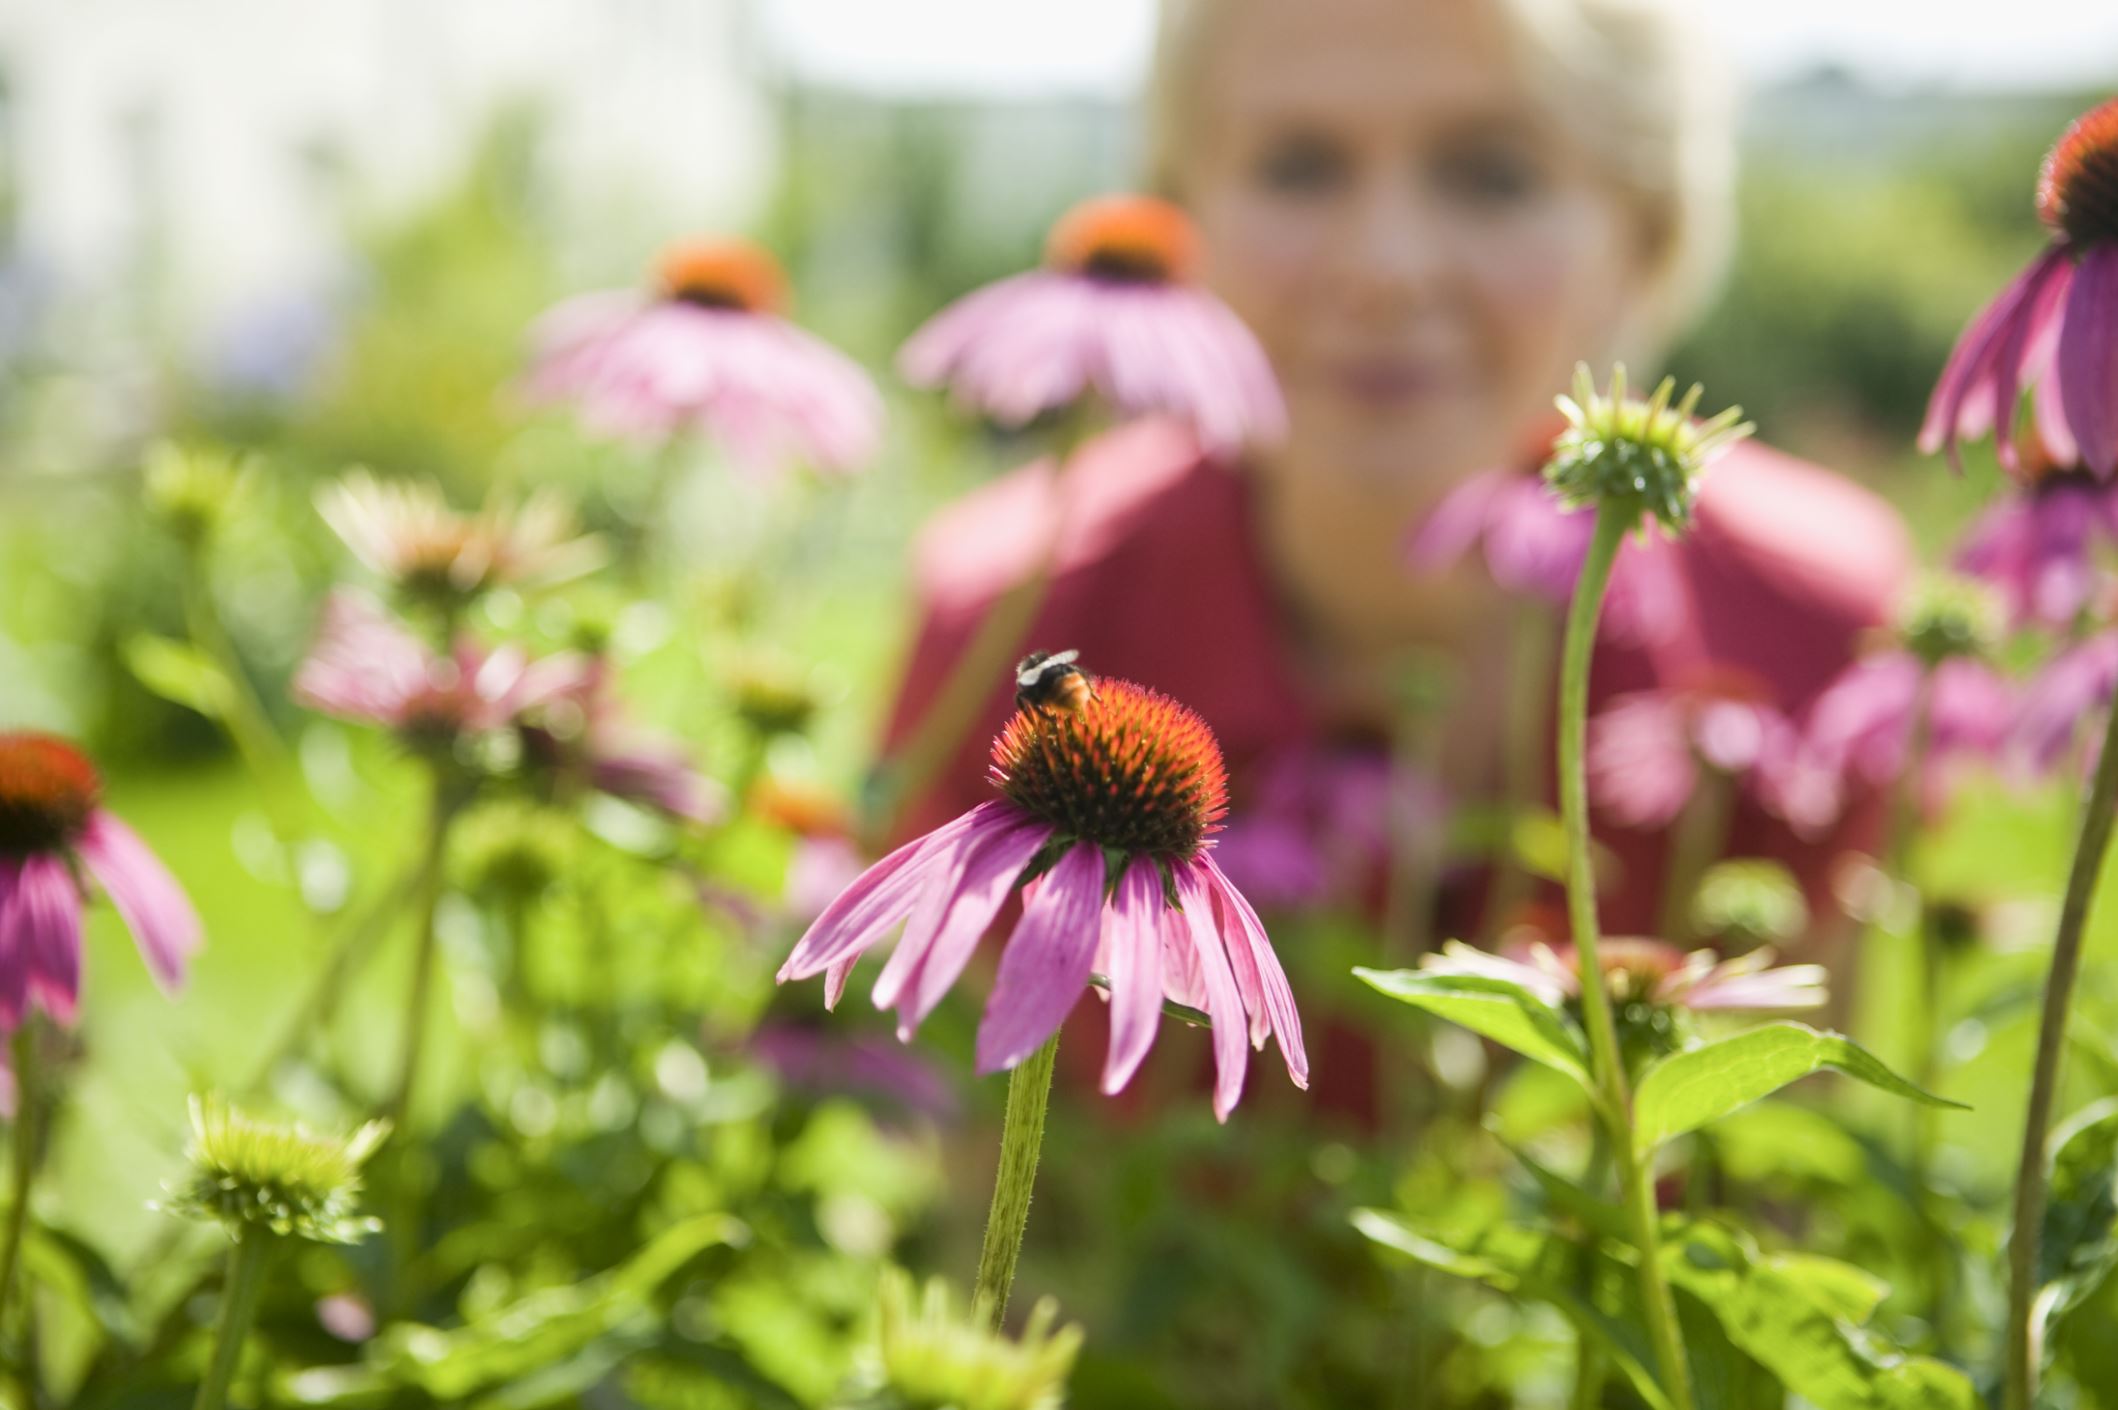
[245, 718]
[246, 1279]
[1021, 1137]
[421, 996]
[1615, 1099]
[1589, 1371]
[25, 1163]
[2089, 849]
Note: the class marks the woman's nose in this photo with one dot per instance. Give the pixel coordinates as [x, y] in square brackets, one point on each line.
[1393, 256]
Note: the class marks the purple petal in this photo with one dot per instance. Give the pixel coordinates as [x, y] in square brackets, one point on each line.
[47, 905]
[154, 907]
[1454, 527]
[2088, 359]
[1224, 1004]
[1962, 405]
[878, 898]
[1047, 961]
[935, 950]
[1236, 914]
[14, 947]
[1133, 938]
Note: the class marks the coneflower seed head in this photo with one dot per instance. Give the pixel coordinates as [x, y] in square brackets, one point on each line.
[2077, 190]
[48, 789]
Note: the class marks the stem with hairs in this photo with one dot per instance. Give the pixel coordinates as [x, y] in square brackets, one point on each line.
[1614, 1097]
[1021, 1138]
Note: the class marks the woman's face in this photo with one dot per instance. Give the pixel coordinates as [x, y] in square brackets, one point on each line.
[1421, 246]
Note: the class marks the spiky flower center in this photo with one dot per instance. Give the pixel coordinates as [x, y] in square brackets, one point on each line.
[1131, 770]
[2077, 191]
[730, 274]
[935, 1357]
[1636, 457]
[1126, 240]
[48, 788]
[280, 1178]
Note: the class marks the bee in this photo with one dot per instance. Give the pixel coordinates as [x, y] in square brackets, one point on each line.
[1049, 680]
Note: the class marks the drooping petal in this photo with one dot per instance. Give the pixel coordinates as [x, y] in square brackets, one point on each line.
[1223, 1003]
[879, 897]
[2088, 359]
[1455, 526]
[14, 946]
[1236, 915]
[836, 976]
[153, 905]
[1132, 935]
[935, 951]
[47, 905]
[1963, 402]
[1047, 961]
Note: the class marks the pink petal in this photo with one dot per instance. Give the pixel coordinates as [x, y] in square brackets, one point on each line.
[155, 908]
[1047, 961]
[878, 898]
[1641, 767]
[1235, 913]
[1454, 527]
[836, 975]
[2088, 359]
[1133, 938]
[47, 906]
[1224, 1004]
[14, 946]
[939, 942]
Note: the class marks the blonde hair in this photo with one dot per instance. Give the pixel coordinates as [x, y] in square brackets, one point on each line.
[1633, 76]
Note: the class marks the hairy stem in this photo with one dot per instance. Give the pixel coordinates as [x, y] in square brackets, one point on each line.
[1615, 1099]
[24, 1153]
[420, 998]
[2089, 849]
[1021, 1137]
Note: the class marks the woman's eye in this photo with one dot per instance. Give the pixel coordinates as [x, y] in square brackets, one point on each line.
[1301, 165]
[1490, 175]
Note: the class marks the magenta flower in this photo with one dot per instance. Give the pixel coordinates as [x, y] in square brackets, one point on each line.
[1117, 313]
[2055, 328]
[1132, 776]
[1861, 726]
[2072, 687]
[2038, 546]
[709, 351]
[54, 834]
[366, 666]
[1319, 827]
[1531, 543]
[1648, 972]
[1646, 751]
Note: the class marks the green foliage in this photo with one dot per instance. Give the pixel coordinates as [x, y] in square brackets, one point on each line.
[1492, 1008]
[1696, 1086]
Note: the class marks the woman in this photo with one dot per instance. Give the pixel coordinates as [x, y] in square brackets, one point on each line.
[1428, 211]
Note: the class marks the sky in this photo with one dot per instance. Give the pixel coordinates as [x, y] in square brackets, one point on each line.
[1000, 47]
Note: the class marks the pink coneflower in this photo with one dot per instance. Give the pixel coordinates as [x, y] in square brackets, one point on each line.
[1116, 311]
[54, 834]
[1861, 726]
[708, 350]
[409, 536]
[1647, 751]
[1131, 776]
[2038, 545]
[2072, 687]
[2055, 328]
[581, 737]
[1533, 544]
[366, 666]
[1647, 972]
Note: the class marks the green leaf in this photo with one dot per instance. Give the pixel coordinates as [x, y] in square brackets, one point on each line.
[1692, 1088]
[1789, 1313]
[2078, 1247]
[179, 672]
[1494, 1008]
